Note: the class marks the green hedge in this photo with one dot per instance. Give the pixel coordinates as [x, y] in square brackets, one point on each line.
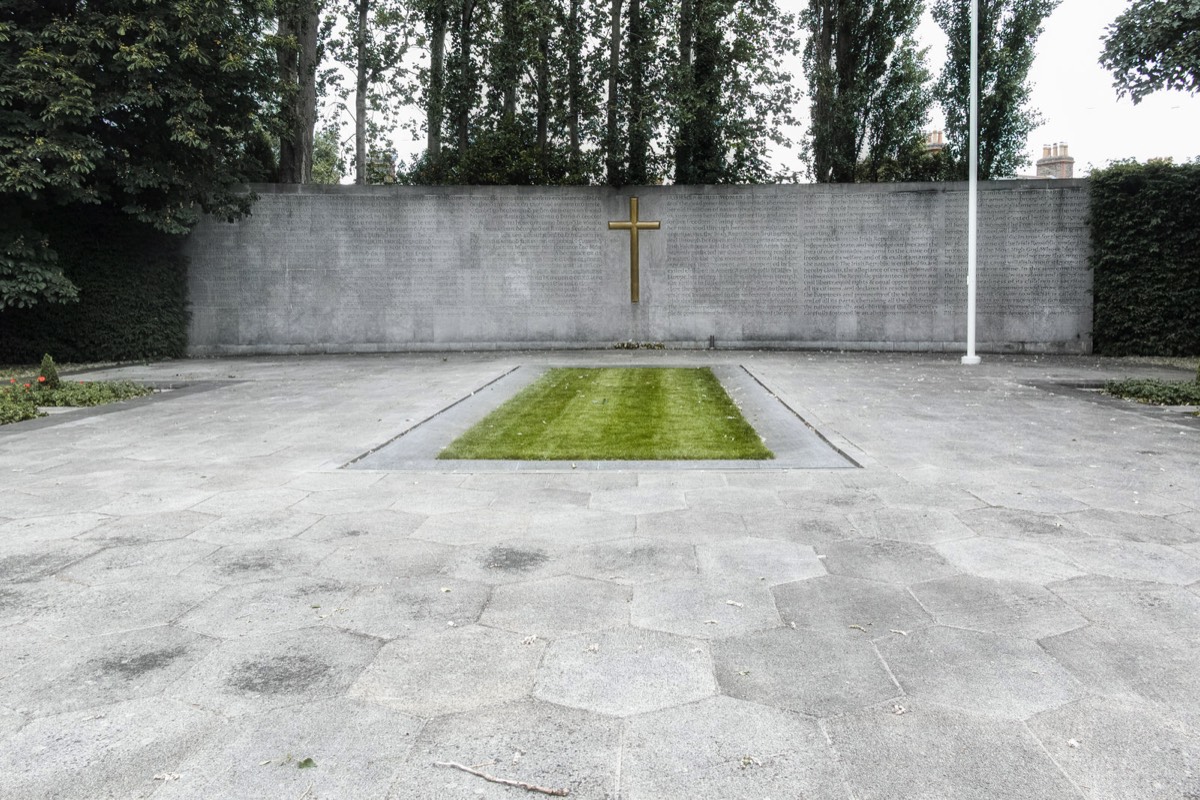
[1145, 221]
[132, 295]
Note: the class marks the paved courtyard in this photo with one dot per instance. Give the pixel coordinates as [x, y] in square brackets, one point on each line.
[196, 601]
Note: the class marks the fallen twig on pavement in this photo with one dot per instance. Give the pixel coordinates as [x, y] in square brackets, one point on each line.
[529, 787]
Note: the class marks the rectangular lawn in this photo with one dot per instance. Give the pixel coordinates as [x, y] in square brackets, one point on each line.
[614, 414]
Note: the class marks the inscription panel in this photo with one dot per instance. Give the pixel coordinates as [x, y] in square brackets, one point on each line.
[856, 266]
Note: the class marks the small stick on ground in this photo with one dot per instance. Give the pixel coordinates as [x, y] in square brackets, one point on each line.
[529, 787]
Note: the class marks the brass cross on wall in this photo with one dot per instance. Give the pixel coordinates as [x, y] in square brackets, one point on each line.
[633, 226]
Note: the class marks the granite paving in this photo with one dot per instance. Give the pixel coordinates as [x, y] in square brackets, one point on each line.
[998, 598]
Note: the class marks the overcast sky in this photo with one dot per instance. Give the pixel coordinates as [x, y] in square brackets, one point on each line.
[1075, 96]
[1078, 102]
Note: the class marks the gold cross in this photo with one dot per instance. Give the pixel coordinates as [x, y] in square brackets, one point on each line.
[633, 226]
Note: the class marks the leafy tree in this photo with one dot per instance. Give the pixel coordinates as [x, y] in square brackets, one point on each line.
[145, 106]
[1008, 31]
[371, 38]
[1153, 45]
[299, 52]
[732, 95]
[867, 82]
[328, 165]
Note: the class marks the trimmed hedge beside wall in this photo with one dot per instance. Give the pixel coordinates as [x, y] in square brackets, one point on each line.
[1145, 221]
[132, 296]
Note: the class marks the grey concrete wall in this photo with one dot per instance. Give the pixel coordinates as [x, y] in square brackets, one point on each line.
[352, 269]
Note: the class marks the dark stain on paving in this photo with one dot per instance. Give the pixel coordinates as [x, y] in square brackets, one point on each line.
[513, 559]
[134, 666]
[318, 587]
[247, 563]
[286, 674]
[30, 567]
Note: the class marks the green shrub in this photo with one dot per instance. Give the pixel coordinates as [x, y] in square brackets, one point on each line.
[17, 403]
[1163, 393]
[92, 393]
[132, 295]
[1145, 223]
[48, 374]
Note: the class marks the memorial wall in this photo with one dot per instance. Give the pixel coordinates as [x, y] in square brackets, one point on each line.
[862, 266]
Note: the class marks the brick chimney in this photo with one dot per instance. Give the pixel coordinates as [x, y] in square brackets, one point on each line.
[1055, 162]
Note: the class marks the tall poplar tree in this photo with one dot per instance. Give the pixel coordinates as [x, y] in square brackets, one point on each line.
[299, 55]
[1008, 32]
[867, 83]
[731, 92]
[371, 38]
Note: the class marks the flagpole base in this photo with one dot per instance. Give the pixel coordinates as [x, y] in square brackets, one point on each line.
[971, 361]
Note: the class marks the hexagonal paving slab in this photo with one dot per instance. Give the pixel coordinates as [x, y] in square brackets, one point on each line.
[114, 751]
[254, 609]
[638, 500]
[473, 527]
[723, 748]
[416, 605]
[510, 561]
[113, 607]
[633, 561]
[916, 750]
[1007, 523]
[101, 670]
[556, 607]
[1152, 665]
[1158, 755]
[580, 527]
[250, 528]
[691, 526]
[359, 526]
[31, 562]
[138, 561]
[286, 558]
[885, 560]
[243, 676]
[703, 608]
[1005, 607]
[838, 604]
[769, 561]
[149, 527]
[812, 673]
[625, 671]
[534, 742]
[1009, 560]
[1133, 605]
[36, 530]
[1133, 527]
[457, 669]
[385, 561]
[920, 525]
[355, 749]
[979, 672]
[1138, 561]
[800, 527]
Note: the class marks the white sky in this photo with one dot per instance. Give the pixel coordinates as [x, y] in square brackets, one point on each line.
[1077, 99]
[1073, 93]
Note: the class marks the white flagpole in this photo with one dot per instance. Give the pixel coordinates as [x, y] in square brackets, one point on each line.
[973, 187]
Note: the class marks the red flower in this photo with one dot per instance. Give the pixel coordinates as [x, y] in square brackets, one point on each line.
[27, 386]
[41, 378]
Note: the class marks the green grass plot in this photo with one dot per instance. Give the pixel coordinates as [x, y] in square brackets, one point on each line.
[615, 414]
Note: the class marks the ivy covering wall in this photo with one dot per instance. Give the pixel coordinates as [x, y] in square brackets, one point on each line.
[1145, 222]
[132, 296]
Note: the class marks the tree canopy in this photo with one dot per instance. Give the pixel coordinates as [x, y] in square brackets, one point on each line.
[1008, 32]
[1154, 45]
[868, 83]
[159, 109]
